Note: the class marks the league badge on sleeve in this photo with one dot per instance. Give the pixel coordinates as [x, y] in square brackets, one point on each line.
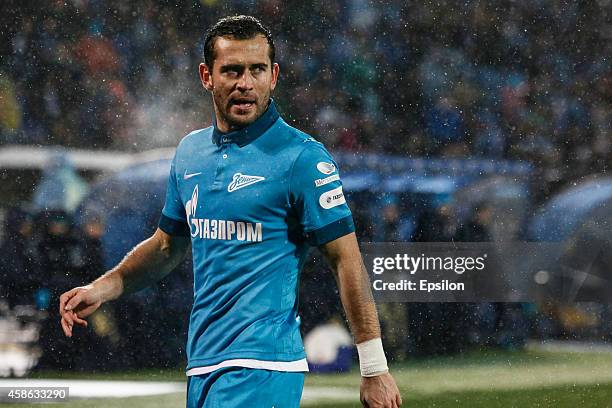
[326, 168]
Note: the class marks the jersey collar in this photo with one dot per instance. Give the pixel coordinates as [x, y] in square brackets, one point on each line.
[247, 134]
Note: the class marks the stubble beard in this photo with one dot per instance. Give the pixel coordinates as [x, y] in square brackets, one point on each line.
[223, 112]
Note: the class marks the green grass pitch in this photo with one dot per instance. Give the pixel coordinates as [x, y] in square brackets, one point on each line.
[485, 379]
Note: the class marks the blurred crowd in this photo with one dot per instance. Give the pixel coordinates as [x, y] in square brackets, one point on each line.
[49, 253]
[500, 79]
[424, 329]
[528, 80]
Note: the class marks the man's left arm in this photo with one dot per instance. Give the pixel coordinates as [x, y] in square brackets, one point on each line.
[378, 388]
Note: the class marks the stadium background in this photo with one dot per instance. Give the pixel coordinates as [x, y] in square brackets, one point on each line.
[476, 121]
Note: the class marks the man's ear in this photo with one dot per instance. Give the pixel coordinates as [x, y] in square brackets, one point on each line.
[275, 71]
[206, 77]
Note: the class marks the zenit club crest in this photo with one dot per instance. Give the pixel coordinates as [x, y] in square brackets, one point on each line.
[240, 180]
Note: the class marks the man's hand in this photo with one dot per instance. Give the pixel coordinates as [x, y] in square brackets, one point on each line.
[380, 392]
[76, 304]
[144, 265]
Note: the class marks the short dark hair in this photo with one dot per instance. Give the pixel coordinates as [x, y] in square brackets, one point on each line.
[239, 28]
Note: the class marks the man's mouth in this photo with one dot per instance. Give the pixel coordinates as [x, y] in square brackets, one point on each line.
[243, 103]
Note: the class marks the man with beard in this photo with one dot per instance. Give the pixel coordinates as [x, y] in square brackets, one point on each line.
[250, 194]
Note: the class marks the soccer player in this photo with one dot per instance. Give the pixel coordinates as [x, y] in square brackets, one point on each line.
[250, 194]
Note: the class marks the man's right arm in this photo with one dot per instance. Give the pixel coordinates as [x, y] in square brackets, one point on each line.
[143, 266]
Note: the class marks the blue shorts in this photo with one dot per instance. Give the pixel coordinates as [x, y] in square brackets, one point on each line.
[233, 387]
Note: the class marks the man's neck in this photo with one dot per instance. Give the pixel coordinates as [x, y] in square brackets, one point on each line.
[221, 124]
[223, 127]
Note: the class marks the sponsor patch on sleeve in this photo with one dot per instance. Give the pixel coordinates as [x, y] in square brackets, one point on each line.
[323, 181]
[332, 198]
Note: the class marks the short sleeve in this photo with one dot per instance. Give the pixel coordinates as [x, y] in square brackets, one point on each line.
[173, 219]
[317, 196]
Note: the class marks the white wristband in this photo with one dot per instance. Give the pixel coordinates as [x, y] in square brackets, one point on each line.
[372, 360]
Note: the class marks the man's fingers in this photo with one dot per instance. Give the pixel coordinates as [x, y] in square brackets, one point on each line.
[78, 320]
[68, 302]
[67, 316]
[74, 302]
[68, 320]
[66, 327]
[380, 391]
[65, 298]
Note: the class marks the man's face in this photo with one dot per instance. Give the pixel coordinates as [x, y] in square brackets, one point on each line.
[241, 80]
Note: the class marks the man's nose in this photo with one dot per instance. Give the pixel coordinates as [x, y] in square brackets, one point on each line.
[245, 82]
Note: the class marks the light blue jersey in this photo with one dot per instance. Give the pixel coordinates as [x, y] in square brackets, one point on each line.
[252, 201]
